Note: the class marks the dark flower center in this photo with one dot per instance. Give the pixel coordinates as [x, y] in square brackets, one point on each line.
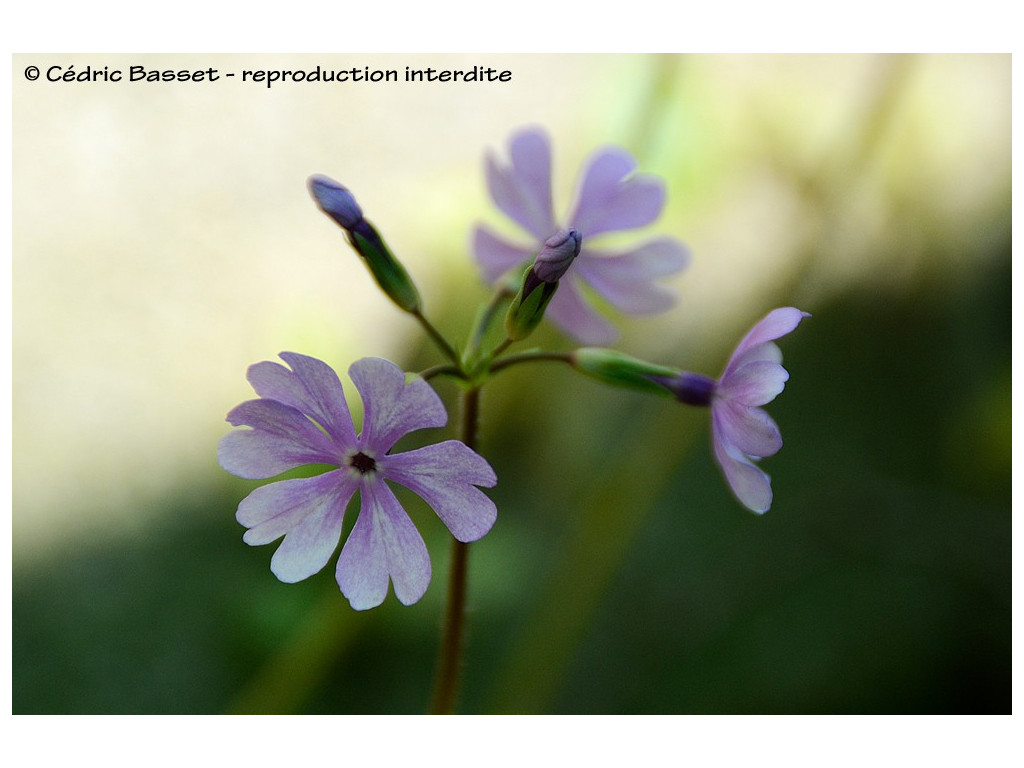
[363, 463]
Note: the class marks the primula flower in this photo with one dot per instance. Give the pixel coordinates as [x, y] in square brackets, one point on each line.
[610, 198]
[741, 431]
[302, 418]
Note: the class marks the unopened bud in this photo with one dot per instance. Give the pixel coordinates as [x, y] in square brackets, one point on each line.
[619, 370]
[540, 282]
[338, 203]
[558, 253]
[335, 200]
[527, 308]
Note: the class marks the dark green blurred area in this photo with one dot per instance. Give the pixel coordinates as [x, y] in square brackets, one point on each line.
[621, 576]
[879, 582]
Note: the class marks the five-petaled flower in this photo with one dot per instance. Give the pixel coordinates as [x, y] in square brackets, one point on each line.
[302, 418]
[610, 198]
[741, 431]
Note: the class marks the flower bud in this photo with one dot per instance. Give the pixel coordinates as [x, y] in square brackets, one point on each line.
[558, 253]
[335, 200]
[540, 282]
[338, 203]
[617, 369]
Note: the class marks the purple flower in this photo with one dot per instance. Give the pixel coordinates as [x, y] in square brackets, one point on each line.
[302, 418]
[741, 431]
[610, 198]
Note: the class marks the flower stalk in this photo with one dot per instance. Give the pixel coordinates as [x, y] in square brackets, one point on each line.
[449, 662]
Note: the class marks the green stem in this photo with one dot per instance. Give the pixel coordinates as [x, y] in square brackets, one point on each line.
[442, 370]
[449, 663]
[531, 357]
[434, 334]
[501, 348]
[487, 317]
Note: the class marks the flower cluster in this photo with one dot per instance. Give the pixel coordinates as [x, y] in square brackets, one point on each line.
[301, 416]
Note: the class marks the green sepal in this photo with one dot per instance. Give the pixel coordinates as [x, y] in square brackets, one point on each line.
[385, 268]
[527, 308]
[619, 370]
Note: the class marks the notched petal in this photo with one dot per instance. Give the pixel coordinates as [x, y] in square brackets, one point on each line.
[774, 325]
[608, 202]
[391, 407]
[445, 475]
[626, 279]
[383, 544]
[754, 383]
[281, 438]
[522, 190]
[748, 430]
[319, 394]
[748, 482]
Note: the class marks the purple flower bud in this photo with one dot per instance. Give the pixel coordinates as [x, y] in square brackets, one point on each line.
[558, 253]
[335, 200]
[338, 203]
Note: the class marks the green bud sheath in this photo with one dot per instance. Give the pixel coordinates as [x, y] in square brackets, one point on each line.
[385, 268]
[619, 370]
[527, 308]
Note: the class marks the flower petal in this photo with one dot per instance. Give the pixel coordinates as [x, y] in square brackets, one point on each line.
[497, 256]
[312, 387]
[607, 203]
[308, 511]
[523, 189]
[754, 383]
[748, 482]
[383, 543]
[774, 325]
[750, 431]
[626, 279]
[445, 475]
[574, 315]
[766, 352]
[273, 510]
[392, 408]
[281, 439]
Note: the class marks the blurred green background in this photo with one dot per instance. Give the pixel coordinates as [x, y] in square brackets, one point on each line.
[163, 241]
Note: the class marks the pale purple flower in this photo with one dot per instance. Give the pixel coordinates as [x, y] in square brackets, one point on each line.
[741, 431]
[610, 198]
[302, 418]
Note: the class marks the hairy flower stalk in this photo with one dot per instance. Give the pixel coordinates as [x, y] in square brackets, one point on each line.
[449, 662]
